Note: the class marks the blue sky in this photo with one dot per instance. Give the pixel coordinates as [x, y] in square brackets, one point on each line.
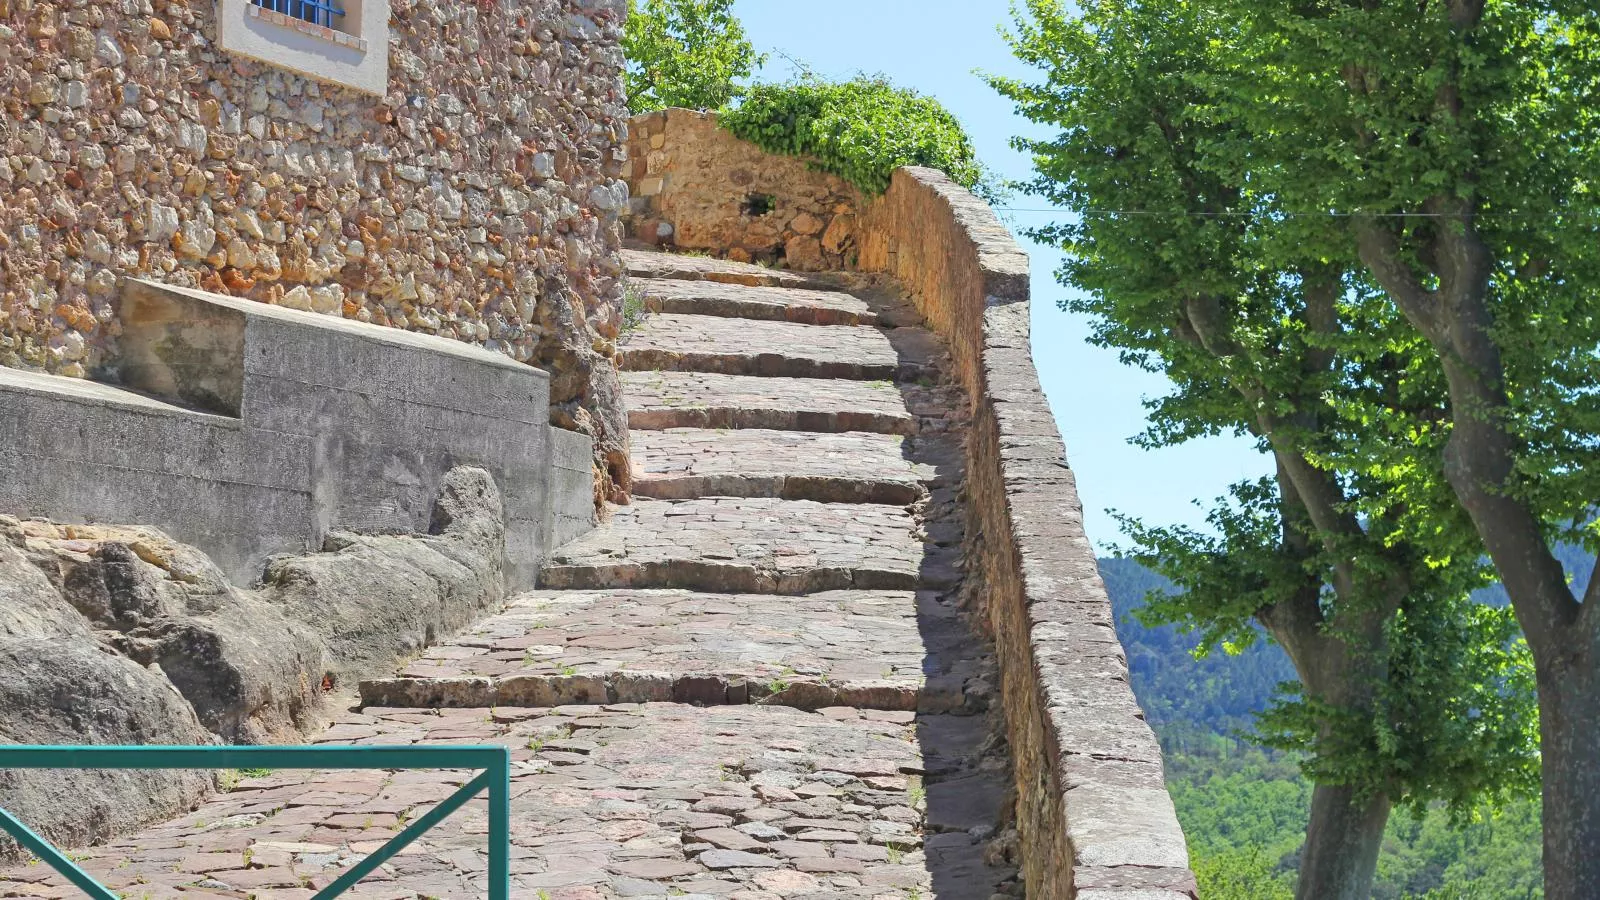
[935, 46]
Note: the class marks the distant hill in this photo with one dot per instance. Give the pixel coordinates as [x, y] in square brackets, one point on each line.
[1220, 693]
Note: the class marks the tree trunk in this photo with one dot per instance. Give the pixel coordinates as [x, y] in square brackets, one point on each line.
[1342, 841]
[1480, 463]
[1569, 724]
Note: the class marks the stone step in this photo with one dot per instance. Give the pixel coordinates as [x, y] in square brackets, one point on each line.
[851, 467]
[659, 400]
[643, 800]
[803, 305]
[750, 545]
[685, 343]
[866, 649]
[650, 264]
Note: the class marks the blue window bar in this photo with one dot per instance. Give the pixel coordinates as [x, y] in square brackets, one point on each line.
[317, 12]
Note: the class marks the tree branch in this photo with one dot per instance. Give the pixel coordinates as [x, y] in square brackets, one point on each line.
[1320, 287]
[1380, 252]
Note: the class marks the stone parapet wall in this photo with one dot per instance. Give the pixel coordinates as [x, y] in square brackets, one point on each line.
[696, 187]
[477, 198]
[1094, 814]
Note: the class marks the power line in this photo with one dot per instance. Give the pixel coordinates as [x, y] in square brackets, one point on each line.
[1287, 215]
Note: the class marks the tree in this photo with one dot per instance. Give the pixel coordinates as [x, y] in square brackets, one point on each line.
[1353, 555]
[1460, 138]
[688, 53]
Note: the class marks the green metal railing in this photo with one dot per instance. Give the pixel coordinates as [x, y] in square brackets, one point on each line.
[494, 777]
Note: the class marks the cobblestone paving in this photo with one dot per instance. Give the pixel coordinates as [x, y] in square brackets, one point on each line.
[869, 649]
[794, 465]
[675, 342]
[709, 400]
[751, 545]
[651, 801]
[707, 298]
[771, 696]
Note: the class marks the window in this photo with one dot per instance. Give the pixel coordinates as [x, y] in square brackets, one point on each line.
[327, 13]
[343, 42]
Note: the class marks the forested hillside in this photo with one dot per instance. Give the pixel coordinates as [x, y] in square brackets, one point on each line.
[1244, 808]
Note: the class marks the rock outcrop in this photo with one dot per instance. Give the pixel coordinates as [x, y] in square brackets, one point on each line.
[119, 635]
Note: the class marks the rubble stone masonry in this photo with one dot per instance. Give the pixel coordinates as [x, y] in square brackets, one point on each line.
[477, 199]
[696, 187]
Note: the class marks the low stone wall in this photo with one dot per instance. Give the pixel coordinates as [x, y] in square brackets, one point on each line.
[694, 186]
[1095, 819]
[475, 197]
[252, 430]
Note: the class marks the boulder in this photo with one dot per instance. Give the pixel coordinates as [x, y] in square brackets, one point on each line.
[58, 685]
[119, 635]
[375, 599]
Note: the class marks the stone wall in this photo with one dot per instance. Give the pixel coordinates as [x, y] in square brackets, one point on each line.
[255, 430]
[477, 199]
[697, 187]
[1095, 819]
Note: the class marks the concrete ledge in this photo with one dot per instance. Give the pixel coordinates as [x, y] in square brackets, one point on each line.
[250, 430]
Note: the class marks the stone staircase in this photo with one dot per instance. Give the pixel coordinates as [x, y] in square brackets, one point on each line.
[754, 682]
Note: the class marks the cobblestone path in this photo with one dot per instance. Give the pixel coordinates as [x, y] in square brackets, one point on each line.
[754, 683]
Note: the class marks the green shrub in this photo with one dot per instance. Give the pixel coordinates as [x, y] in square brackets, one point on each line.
[860, 130]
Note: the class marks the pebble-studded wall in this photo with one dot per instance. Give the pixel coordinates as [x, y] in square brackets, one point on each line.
[478, 199]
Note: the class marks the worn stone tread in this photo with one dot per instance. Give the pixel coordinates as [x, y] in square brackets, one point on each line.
[850, 467]
[607, 802]
[783, 304]
[746, 545]
[867, 649]
[660, 400]
[651, 264]
[688, 343]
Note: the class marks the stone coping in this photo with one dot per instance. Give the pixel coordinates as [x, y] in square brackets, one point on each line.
[352, 328]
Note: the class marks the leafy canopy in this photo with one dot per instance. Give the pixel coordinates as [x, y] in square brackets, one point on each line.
[688, 53]
[1355, 555]
[1395, 116]
[861, 130]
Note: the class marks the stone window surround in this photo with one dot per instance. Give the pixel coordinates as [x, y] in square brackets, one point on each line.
[342, 37]
[354, 55]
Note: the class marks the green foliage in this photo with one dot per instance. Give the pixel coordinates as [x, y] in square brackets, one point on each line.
[1355, 555]
[1241, 875]
[1391, 114]
[1243, 808]
[688, 53]
[1190, 697]
[861, 130]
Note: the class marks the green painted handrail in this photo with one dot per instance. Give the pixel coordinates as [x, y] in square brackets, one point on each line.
[494, 777]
